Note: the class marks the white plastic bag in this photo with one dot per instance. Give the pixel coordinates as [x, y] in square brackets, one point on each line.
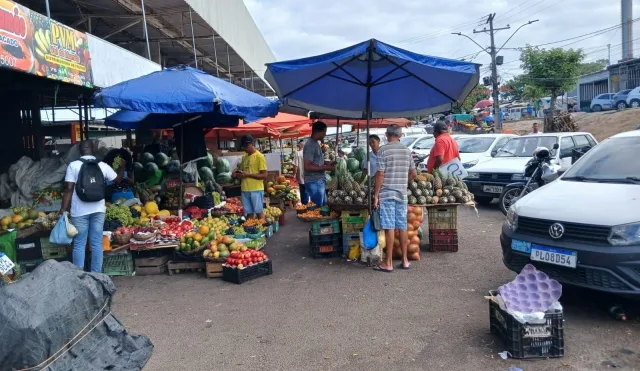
[72, 231]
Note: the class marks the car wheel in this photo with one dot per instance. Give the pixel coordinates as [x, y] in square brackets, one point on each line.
[507, 198]
[621, 105]
[484, 201]
[596, 108]
[635, 103]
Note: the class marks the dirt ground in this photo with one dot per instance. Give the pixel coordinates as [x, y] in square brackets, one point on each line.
[601, 124]
[334, 315]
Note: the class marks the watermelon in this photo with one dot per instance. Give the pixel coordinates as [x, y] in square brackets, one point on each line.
[161, 159]
[150, 168]
[357, 176]
[173, 167]
[138, 171]
[206, 162]
[224, 178]
[146, 157]
[360, 154]
[353, 165]
[222, 166]
[155, 178]
[205, 173]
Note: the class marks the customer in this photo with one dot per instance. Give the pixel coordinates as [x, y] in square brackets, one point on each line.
[395, 171]
[84, 189]
[534, 129]
[253, 172]
[298, 171]
[374, 144]
[444, 149]
[314, 167]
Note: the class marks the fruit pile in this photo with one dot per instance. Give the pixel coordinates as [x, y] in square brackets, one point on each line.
[121, 213]
[273, 212]
[282, 189]
[240, 260]
[253, 226]
[176, 229]
[234, 205]
[195, 212]
[223, 247]
[217, 225]
[22, 217]
[437, 189]
[47, 196]
[191, 241]
[346, 187]
[415, 217]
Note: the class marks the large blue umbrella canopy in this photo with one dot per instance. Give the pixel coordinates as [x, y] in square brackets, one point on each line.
[124, 119]
[184, 89]
[373, 77]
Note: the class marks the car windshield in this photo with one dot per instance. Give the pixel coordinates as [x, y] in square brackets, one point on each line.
[614, 160]
[524, 146]
[407, 141]
[474, 145]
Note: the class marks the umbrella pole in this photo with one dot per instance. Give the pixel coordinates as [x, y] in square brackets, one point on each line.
[368, 109]
[181, 168]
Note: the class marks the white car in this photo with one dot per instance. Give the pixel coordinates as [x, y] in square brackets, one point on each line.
[487, 180]
[476, 149]
[559, 230]
[633, 98]
[419, 143]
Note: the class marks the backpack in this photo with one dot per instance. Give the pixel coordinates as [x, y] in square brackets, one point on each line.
[90, 186]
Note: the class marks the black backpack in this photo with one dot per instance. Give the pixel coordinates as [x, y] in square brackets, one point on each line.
[90, 186]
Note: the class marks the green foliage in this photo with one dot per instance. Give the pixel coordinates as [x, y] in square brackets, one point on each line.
[592, 67]
[552, 70]
[514, 88]
[478, 93]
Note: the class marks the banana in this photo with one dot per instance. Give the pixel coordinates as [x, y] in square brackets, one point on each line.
[41, 44]
[40, 53]
[47, 38]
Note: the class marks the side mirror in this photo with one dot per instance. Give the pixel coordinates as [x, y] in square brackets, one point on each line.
[556, 146]
[494, 152]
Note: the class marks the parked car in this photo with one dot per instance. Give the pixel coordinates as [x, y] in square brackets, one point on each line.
[476, 149]
[633, 98]
[602, 102]
[620, 99]
[560, 230]
[419, 143]
[487, 180]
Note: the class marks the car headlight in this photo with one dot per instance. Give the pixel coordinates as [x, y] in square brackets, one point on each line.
[469, 164]
[625, 235]
[517, 177]
[512, 218]
[473, 176]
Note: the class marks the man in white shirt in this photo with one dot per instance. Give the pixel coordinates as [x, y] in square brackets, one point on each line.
[298, 171]
[534, 129]
[87, 217]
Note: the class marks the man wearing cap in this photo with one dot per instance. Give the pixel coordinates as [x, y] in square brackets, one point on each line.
[314, 167]
[445, 148]
[298, 171]
[253, 172]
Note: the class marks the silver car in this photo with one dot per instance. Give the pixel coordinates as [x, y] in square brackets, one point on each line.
[602, 102]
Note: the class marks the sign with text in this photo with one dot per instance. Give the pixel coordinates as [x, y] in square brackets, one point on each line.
[31, 43]
[455, 168]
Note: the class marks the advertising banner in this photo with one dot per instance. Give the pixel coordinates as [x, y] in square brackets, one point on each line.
[31, 43]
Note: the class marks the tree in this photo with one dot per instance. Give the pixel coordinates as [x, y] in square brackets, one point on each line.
[515, 87]
[552, 71]
[477, 94]
[592, 67]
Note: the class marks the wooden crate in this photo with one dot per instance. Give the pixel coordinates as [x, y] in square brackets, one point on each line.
[151, 265]
[214, 270]
[178, 267]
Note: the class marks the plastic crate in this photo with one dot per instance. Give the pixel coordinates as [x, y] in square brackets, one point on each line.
[269, 231]
[443, 240]
[443, 217]
[118, 264]
[325, 246]
[353, 221]
[51, 251]
[249, 273]
[325, 227]
[528, 341]
[276, 227]
[28, 249]
[28, 266]
[349, 240]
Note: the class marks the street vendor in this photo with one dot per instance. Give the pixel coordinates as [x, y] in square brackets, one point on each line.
[253, 172]
[445, 148]
[374, 144]
[124, 188]
[314, 166]
[298, 171]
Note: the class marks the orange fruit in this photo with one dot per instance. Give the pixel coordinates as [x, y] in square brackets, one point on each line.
[203, 230]
[197, 237]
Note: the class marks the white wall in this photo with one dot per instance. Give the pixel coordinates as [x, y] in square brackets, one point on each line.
[112, 64]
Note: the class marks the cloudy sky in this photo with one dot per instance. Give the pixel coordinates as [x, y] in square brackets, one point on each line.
[300, 28]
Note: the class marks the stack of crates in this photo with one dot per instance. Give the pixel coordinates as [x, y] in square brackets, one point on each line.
[352, 224]
[443, 228]
[325, 239]
[28, 253]
[119, 263]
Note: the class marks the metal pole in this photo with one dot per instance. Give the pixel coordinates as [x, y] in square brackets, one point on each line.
[48, 10]
[146, 32]
[494, 78]
[244, 75]
[215, 55]
[181, 167]
[368, 109]
[86, 115]
[228, 63]
[193, 38]
[80, 117]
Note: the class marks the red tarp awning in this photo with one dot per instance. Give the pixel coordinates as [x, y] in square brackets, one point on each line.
[284, 120]
[254, 129]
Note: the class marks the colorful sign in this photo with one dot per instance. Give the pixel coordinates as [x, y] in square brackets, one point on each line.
[31, 43]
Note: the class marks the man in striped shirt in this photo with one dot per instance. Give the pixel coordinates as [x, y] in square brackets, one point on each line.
[395, 170]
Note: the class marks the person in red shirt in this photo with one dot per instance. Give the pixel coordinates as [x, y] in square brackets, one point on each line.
[444, 150]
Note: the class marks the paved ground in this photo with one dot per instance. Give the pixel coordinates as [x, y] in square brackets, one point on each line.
[333, 315]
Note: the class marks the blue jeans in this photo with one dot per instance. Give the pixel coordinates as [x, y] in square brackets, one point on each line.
[316, 192]
[304, 196]
[91, 227]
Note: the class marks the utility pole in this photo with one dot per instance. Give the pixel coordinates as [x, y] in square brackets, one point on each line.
[609, 53]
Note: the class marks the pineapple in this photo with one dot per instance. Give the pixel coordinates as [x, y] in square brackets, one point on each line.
[439, 192]
[331, 199]
[354, 194]
[457, 193]
[422, 185]
[428, 193]
[429, 177]
[335, 193]
[429, 185]
[348, 200]
[363, 194]
[446, 192]
[465, 199]
[450, 181]
[359, 200]
[412, 200]
[437, 183]
[417, 192]
[422, 200]
[420, 178]
[413, 186]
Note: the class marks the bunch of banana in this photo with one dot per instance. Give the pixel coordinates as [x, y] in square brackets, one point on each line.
[43, 42]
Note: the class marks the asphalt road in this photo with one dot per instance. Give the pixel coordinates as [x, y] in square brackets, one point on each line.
[334, 315]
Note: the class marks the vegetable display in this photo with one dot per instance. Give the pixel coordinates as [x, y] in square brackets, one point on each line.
[436, 189]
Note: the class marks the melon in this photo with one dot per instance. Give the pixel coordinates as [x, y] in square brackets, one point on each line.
[173, 167]
[206, 162]
[353, 165]
[359, 154]
[222, 165]
[205, 173]
[224, 178]
[161, 159]
[150, 168]
[146, 158]
[357, 176]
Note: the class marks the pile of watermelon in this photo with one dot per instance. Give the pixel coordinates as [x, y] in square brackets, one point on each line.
[354, 163]
[217, 170]
[151, 169]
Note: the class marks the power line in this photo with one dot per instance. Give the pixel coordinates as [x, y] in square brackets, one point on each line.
[523, 10]
[539, 10]
[515, 7]
[441, 32]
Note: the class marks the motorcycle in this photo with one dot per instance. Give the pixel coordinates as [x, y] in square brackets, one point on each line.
[418, 159]
[538, 172]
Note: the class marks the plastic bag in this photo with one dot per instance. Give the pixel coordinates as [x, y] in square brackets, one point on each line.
[72, 231]
[377, 222]
[59, 235]
[354, 252]
[369, 236]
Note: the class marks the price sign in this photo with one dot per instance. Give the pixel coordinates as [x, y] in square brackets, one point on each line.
[6, 265]
[454, 168]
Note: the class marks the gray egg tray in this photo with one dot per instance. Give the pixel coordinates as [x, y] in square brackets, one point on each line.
[532, 291]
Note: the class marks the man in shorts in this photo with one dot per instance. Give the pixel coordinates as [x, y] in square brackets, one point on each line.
[395, 170]
[253, 172]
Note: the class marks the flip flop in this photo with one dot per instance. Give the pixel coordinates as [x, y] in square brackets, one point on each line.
[401, 266]
[380, 269]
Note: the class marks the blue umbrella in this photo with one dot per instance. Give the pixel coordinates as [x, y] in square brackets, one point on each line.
[124, 119]
[182, 89]
[373, 79]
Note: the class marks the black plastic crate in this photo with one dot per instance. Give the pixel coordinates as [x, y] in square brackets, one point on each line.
[235, 275]
[28, 248]
[325, 246]
[528, 341]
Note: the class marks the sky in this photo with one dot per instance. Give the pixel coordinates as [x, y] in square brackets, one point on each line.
[295, 29]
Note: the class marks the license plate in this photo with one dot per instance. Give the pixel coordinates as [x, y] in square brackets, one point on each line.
[492, 189]
[551, 255]
[522, 246]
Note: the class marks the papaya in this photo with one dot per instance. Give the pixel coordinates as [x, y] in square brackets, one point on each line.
[281, 179]
[270, 190]
[278, 187]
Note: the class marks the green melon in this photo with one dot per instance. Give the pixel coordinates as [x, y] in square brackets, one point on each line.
[146, 157]
[353, 165]
[205, 173]
[173, 167]
[150, 168]
[224, 178]
[360, 154]
[222, 165]
[161, 159]
[207, 162]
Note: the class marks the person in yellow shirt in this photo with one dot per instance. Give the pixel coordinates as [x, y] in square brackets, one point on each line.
[253, 172]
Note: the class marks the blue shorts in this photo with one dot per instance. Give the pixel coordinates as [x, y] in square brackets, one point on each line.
[393, 214]
[253, 202]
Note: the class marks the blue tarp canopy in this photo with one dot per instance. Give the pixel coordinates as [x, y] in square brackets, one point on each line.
[185, 89]
[392, 82]
[124, 119]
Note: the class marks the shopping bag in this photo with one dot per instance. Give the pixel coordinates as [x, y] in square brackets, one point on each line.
[59, 235]
[377, 222]
[369, 236]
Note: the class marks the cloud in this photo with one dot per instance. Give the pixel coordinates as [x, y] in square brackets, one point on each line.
[296, 29]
